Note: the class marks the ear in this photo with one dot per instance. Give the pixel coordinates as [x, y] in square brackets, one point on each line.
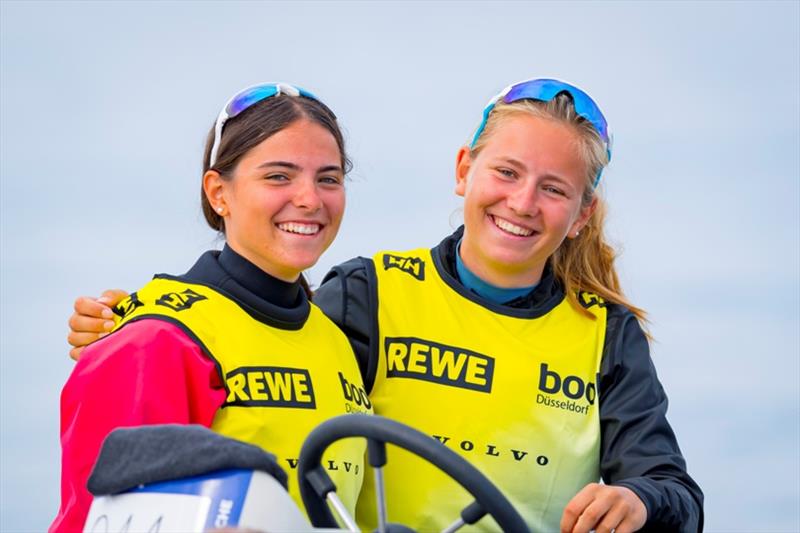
[463, 166]
[214, 187]
[583, 218]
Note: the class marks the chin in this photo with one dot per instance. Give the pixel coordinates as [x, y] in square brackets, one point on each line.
[305, 254]
[508, 255]
[516, 262]
[304, 264]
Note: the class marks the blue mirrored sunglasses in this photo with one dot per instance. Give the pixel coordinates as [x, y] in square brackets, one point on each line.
[246, 98]
[545, 90]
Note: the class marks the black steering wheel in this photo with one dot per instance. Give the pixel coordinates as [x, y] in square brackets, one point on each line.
[317, 488]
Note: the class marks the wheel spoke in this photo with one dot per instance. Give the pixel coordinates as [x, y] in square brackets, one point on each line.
[376, 454]
[455, 526]
[341, 510]
[469, 515]
[380, 499]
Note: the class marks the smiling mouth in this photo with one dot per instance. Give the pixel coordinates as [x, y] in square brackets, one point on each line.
[510, 228]
[300, 229]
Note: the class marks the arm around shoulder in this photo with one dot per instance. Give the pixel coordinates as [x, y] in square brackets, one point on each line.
[639, 450]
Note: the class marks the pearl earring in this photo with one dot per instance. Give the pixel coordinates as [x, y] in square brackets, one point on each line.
[220, 210]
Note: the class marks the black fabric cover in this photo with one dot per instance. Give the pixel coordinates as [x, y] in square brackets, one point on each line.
[135, 456]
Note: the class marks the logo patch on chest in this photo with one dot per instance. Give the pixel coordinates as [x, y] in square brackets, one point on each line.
[127, 306]
[410, 265]
[356, 399]
[570, 393]
[180, 301]
[410, 357]
[270, 386]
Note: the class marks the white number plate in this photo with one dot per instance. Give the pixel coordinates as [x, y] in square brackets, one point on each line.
[148, 513]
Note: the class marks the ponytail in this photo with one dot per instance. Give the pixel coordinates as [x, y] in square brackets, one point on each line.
[586, 263]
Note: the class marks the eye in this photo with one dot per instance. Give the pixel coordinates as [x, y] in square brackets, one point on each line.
[554, 190]
[506, 172]
[278, 177]
[330, 180]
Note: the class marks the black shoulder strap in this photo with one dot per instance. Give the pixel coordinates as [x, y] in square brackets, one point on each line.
[374, 338]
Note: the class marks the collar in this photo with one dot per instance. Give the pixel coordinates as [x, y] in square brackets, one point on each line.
[538, 302]
[264, 297]
[482, 287]
[256, 281]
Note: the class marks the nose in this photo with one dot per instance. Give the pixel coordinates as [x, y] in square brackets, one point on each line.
[524, 199]
[306, 195]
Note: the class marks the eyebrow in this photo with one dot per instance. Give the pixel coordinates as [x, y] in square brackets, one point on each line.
[293, 166]
[513, 162]
[519, 164]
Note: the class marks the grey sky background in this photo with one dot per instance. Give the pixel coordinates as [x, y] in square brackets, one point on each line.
[104, 109]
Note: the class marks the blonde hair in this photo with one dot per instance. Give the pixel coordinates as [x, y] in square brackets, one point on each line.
[585, 263]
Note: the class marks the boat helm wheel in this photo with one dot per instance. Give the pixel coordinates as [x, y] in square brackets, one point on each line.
[318, 490]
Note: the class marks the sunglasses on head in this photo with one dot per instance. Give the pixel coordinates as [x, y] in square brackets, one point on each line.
[246, 98]
[545, 90]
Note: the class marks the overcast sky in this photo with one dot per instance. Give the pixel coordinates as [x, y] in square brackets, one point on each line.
[104, 109]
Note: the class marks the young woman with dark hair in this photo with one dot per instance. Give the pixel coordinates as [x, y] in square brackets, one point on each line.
[234, 344]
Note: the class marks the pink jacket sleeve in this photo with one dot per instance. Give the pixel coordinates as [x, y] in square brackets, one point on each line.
[149, 372]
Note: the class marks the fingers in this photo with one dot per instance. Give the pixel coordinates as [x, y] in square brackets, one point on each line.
[620, 518]
[112, 297]
[81, 323]
[93, 308]
[603, 508]
[93, 319]
[594, 512]
[79, 339]
[613, 518]
[576, 506]
[75, 353]
[629, 525]
[629, 511]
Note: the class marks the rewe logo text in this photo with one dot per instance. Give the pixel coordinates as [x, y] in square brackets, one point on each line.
[410, 357]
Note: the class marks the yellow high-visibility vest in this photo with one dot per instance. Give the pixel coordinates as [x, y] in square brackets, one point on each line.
[517, 397]
[281, 383]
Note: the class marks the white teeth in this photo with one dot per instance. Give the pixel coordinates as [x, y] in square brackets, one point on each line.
[505, 225]
[302, 229]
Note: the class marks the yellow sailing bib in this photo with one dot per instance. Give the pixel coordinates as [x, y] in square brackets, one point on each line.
[280, 383]
[517, 397]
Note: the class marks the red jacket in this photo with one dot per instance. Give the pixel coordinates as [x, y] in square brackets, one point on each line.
[149, 372]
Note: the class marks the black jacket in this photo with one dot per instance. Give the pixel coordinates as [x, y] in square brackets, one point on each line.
[638, 447]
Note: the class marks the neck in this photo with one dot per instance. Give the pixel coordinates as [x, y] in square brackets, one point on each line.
[486, 290]
[500, 275]
[256, 280]
[270, 270]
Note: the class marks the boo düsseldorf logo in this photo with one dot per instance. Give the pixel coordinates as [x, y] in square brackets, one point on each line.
[581, 395]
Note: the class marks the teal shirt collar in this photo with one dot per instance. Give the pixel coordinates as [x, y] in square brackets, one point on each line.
[494, 294]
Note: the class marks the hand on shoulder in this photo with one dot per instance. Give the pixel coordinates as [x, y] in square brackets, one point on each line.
[92, 319]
